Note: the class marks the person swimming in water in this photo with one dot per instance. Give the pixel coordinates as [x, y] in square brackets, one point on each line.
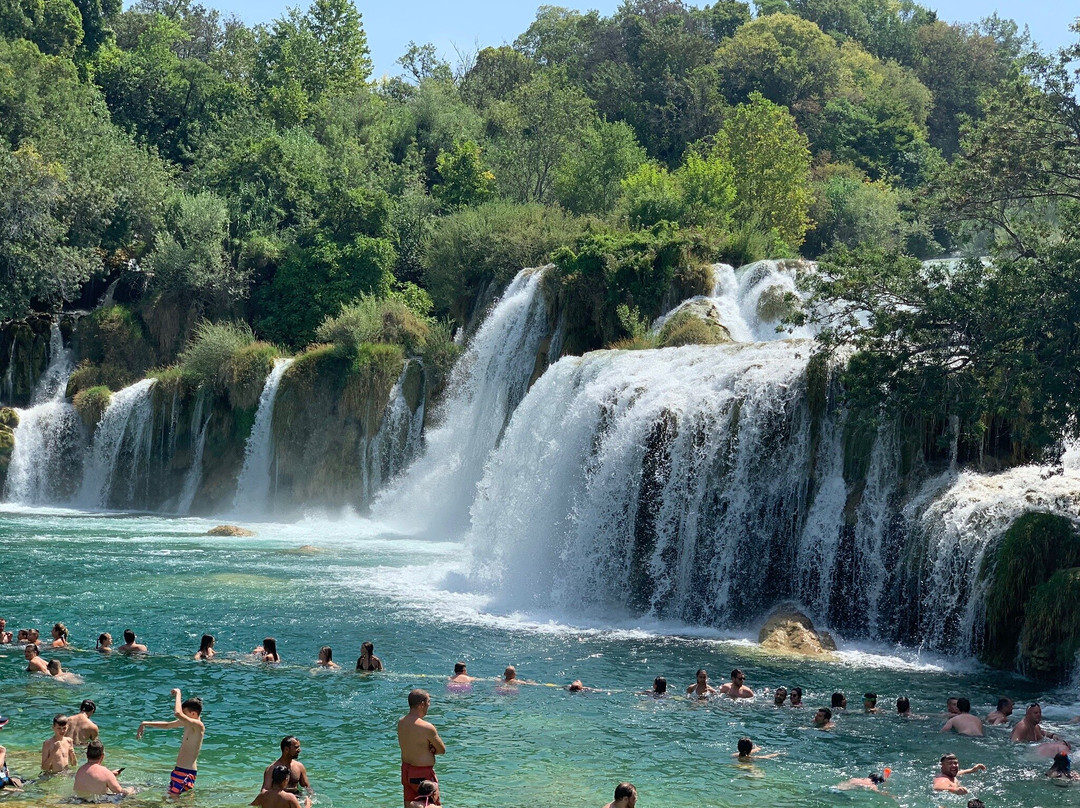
[659, 688]
[780, 696]
[206, 648]
[948, 778]
[326, 658]
[80, 727]
[57, 672]
[59, 636]
[872, 782]
[964, 723]
[267, 652]
[427, 794]
[276, 795]
[796, 697]
[461, 675]
[104, 643]
[701, 687]
[1061, 770]
[36, 664]
[736, 689]
[748, 753]
[130, 646]
[368, 662]
[823, 719]
[625, 796]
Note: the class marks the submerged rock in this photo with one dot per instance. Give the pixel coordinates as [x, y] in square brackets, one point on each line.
[229, 530]
[789, 630]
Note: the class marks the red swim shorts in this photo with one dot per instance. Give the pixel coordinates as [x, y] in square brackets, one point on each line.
[412, 777]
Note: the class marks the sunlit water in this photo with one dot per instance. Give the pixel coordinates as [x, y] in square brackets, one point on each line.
[536, 746]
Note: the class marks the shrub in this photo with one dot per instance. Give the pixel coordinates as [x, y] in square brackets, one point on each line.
[246, 372]
[440, 352]
[688, 328]
[207, 358]
[114, 337]
[91, 404]
[373, 320]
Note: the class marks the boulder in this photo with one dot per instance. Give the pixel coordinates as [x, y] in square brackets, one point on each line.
[229, 530]
[9, 417]
[789, 630]
[695, 322]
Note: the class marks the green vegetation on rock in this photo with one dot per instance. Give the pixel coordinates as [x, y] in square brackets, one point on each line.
[693, 325]
[91, 404]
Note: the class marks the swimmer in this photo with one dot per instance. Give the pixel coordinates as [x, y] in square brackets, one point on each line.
[32, 654]
[326, 658]
[839, 701]
[8, 781]
[1027, 729]
[950, 706]
[206, 648]
[948, 778]
[93, 779]
[58, 753]
[796, 697]
[511, 679]
[59, 674]
[188, 716]
[420, 743]
[735, 689]
[577, 687]
[130, 646]
[748, 753]
[1061, 770]
[267, 652]
[964, 723]
[903, 707]
[104, 643]
[659, 688]
[368, 661]
[872, 782]
[461, 675]
[297, 774]
[625, 796]
[869, 703]
[59, 636]
[427, 794]
[1002, 713]
[276, 796]
[80, 728]
[33, 636]
[5, 635]
[701, 688]
[23, 637]
[780, 696]
[823, 719]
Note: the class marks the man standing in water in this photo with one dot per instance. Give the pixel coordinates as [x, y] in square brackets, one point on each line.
[130, 646]
[80, 728]
[420, 743]
[735, 688]
[290, 751]
[58, 753]
[964, 723]
[93, 779]
[625, 796]
[187, 759]
[946, 779]
[1002, 713]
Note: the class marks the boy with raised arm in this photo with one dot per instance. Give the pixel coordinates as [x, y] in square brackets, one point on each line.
[187, 759]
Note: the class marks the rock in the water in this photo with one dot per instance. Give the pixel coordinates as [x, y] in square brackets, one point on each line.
[9, 417]
[695, 322]
[789, 630]
[229, 530]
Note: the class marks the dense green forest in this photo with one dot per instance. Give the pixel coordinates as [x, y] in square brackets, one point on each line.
[202, 169]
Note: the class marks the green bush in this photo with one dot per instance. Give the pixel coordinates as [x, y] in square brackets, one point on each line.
[115, 339]
[687, 328]
[369, 320]
[208, 357]
[246, 372]
[1051, 634]
[492, 242]
[440, 352]
[91, 404]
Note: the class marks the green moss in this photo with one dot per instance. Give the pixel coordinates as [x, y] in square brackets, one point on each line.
[88, 375]
[246, 372]
[115, 338]
[687, 327]
[692, 280]
[208, 356]
[1031, 550]
[9, 417]
[1051, 634]
[91, 404]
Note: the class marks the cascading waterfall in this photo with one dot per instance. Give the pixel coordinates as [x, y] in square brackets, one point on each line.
[397, 442]
[485, 386]
[199, 425]
[49, 438]
[7, 390]
[119, 458]
[253, 486]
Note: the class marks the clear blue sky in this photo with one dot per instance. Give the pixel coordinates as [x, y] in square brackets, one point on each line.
[469, 24]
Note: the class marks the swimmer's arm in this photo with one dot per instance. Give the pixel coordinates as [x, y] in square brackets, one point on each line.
[73, 759]
[436, 743]
[948, 725]
[769, 756]
[304, 783]
[44, 755]
[978, 767]
[156, 725]
[114, 785]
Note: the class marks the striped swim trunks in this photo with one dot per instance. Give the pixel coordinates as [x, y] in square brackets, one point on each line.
[182, 780]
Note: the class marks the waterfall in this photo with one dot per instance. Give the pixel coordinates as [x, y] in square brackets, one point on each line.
[49, 438]
[193, 477]
[485, 386]
[119, 458]
[7, 392]
[253, 486]
[397, 442]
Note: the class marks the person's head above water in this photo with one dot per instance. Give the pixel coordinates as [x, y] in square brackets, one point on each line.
[1034, 713]
[659, 686]
[31, 651]
[745, 747]
[290, 746]
[427, 788]
[626, 793]
[279, 775]
[823, 716]
[104, 640]
[838, 700]
[88, 707]
[206, 643]
[903, 705]
[869, 699]
[950, 706]
[367, 648]
[575, 686]
[738, 677]
[1005, 706]
[796, 695]
[192, 707]
[270, 646]
[95, 751]
[326, 654]
[1061, 763]
[459, 668]
[129, 636]
[510, 674]
[780, 696]
[419, 700]
[54, 667]
[963, 705]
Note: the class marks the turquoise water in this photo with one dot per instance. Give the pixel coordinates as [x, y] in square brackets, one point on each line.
[538, 746]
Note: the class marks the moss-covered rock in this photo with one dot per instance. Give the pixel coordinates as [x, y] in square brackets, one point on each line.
[1034, 547]
[9, 417]
[696, 322]
[91, 404]
[1050, 637]
[789, 631]
[246, 372]
[24, 356]
[115, 340]
[229, 530]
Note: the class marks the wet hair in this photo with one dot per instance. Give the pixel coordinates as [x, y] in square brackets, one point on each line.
[796, 692]
[459, 667]
[1061, 763]
[737, 672]
[510, 672]
[60, 719]
[287, 742]
[425, 787]
[369, 647]
[34, 648]
[951, 699]
[103, 638]
[326, 654]
[827, 711]
[129, 635]
[205, 643]
[837, 700]
[54, 666]
[659, 685]
[418, 697]
[22, 634]
[701, 671]
[745, 746]
[869, 696]
[194, 704]
[270, 646]
[61, 629]
[88, 706]
[1033, 705]
[903, 705]
[625, 791]
[947, 756]
[875, 778]
[963, 705]
[1003, 703]
[95, 750]
[976, 803]
[279, 774]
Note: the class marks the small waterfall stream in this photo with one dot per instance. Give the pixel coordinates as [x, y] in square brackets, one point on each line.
[253, 486]
[199, 426]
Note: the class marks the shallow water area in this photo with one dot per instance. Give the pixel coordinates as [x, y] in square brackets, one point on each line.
[526, 746]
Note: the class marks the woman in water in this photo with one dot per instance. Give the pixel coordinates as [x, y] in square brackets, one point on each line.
[60, 636]
[206, 648]
[368, 661]
[1061, 770]
[326, 658]
[104, 643]
[267, 652]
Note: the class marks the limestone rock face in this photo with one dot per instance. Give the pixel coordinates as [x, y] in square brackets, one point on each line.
[229, 530]
[789, 630]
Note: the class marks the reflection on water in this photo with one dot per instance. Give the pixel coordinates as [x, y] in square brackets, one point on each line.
[529, 746]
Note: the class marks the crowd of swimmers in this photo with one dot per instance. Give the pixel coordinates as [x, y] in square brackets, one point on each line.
[285, 780]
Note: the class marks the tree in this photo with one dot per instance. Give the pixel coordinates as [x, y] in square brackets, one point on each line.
[589, 179]
[463, 178]
[771, 160]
